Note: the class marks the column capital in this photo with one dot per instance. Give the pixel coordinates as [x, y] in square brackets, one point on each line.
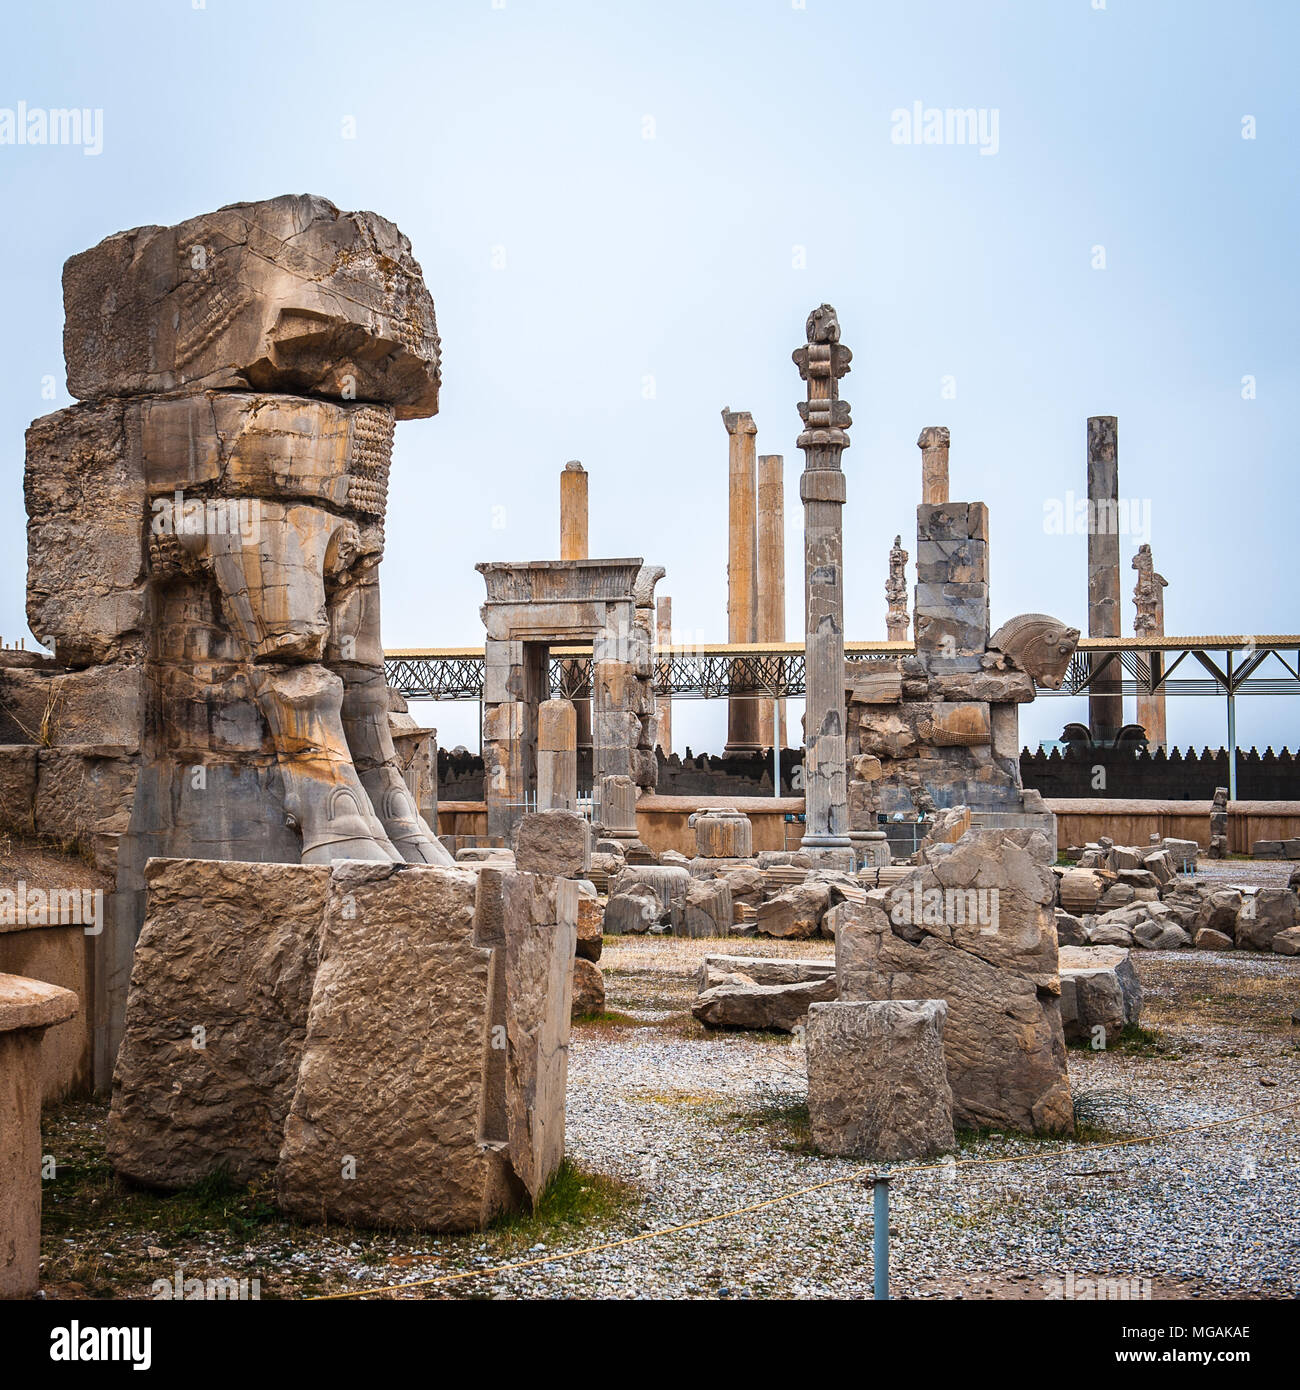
[738, 421]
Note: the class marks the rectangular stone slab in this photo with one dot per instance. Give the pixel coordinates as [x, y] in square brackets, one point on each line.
[385, 1126]
[229, 949]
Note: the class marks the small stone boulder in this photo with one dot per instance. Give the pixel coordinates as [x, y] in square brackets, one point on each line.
[1099, 989]
[1262, 915]
[708, 910]
[588, 989]
[1207, 939]
[737, 1001]
[795, 912]
[1287, 942]
[877, 1079]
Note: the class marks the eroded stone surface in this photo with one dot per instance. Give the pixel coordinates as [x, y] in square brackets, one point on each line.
[877, 1081]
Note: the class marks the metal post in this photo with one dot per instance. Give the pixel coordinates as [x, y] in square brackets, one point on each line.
[1232, 735]
[880, 1237]
[776, 748]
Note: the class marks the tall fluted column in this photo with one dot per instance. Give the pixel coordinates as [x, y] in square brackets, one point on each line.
[822, 362]
[664, 703]
[742, 598]
[771, 575]
[1105, 693]
[933, 445]
[574, 546]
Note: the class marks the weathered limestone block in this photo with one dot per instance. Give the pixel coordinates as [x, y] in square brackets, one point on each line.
[633, 911]
[540, 918]
[723, 834]
[1182, 852]
[18, 777]
[1069, 929]
[668, 882]
[877, 1082]
[83, 791]
[1099, 989]
[945, 934]
[588, 989]
[1263, 914]
[989, 687]
[796, 912]
[557, 755]
[1218, 911]
[101, 705]
[216, 1018]
[1287, 942]
[27, 1009]
[764, 970]
[1207, 939]
[708, 909]
[591, 926]
[286, 294]
[350, 1152]
[737, 1001]
[553, 842]
[86, 507]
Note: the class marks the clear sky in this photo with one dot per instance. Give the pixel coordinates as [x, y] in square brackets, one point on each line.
[625, 211]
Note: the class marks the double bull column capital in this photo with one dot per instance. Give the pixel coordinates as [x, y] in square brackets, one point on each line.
[822, 362]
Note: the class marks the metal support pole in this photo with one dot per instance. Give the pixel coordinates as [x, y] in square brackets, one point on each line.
[880, 1237]
[776, 748]
[1232, 733]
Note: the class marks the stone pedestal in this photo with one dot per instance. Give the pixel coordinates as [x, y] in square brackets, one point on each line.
[1105, 697]
[557, 756]
[27, 1009]
[742, 589]
[877, 1080]
[822, 362]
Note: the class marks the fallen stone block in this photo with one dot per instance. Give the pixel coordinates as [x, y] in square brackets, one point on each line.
[708, 909]
[877, 1079]
[795, 912]
[588, 989]
[1207, 939]
[1287, 942]
[1158, 936]
[1003, 1038]
[1069, 929]
[591, 927]
[1264, 913]
[553, 842]
[736, 1001]
[765, 970]
[1099, 990]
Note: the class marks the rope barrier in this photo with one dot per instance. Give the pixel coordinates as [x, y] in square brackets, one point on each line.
[856, 1175]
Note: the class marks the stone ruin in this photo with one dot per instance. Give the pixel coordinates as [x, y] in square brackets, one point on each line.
[940, 728]
[205, 531]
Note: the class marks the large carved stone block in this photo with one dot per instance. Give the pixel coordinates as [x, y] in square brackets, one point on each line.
[287, 294]
[974, 926]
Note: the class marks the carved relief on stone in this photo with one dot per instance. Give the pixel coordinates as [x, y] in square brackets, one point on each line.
[896, 618]
[1148, 596]
[1039, 644]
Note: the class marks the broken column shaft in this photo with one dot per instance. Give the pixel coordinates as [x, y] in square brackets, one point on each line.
[771, 578]
[933, 445]
[822, 362]
[742, 597]
[574, 546]
[664, 703]
[1105, 697]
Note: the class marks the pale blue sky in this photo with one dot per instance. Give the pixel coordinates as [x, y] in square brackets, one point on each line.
[523, 127]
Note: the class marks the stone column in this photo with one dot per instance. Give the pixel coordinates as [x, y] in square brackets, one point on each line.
[1105, 698]
[1149, 598]
[573, 512]
[896, 618]
[742, 597]
[933, 445]
[557, 756]
[664, 703]
[771, 575]
[574, 546]
[822, 362]
[27, 1009]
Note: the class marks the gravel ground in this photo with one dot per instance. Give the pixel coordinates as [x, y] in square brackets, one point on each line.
[697, 1124]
